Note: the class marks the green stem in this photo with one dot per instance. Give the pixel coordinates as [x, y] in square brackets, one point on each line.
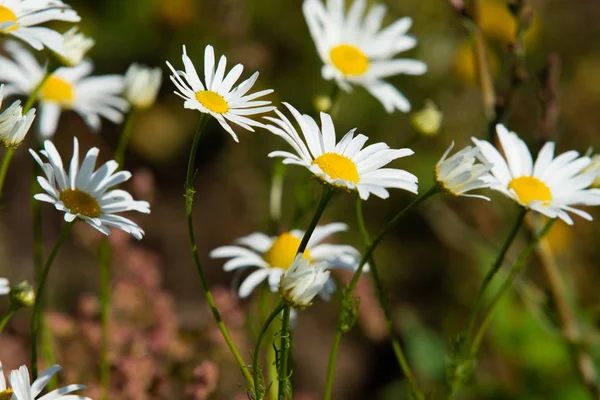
[258, 392]
[352, 285]
[275, 197]
[326, 195]
[39, 295]
[400, 356]
[492, 272]
[104, 255]
[189, 202]
[119, 155]
[9, 314]
[36, 91]
[10, 152]
[284, 352]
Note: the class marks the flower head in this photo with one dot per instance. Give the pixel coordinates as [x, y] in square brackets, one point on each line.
[355, 50]
[84, 193]
[75, 47]
[21, 387]
[22, 295]
[4, 286]
[19, 18]
[141, 86]
[550, 186]
[91, 97]
[461, 173]
[216, 96]
[428, 120]
[13, 124]
[345, 164]
[274, 255]
[302, 282]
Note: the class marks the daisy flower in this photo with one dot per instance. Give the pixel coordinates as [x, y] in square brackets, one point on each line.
[4, 286]
[550, 186]
[356, 51]
[345, 164]
[67, 88]
[274, 255]
[141, 86]
[22, 388]
[216, 96]
[302, 282]
[19, 18]
[461, 173]
[13, 124]
[75, 47]
[84, 193]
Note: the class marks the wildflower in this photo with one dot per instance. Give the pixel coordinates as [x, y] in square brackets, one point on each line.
[22, 295]
[66, 89]
[427, 121]
[75, 47]
[19, 18]
[461, 173]
[274, 255]
[141, 86]
[4, 286]
[216, 96]
[22, 388]
[345, 164]
[302, 282]
[13, 124]
[550, 186]
[85, 194]
[355, 50]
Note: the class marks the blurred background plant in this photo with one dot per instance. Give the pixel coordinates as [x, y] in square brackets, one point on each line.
[164, 343]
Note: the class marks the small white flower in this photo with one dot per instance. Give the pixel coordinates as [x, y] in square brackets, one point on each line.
[355, 50]
[13, 124]
[461, 173]
[66, 89]
[19, 18]
[345, 164]
[4, 286]
[22, 388]
[141, 85]
[216, 96]
[84, 193]
[302, 282]
[550, 186]
[273, 255]
[75, 47]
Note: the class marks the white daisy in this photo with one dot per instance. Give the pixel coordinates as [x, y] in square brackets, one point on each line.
[66, 89]
[141, 85]
[216, 95]
[550, 186]
[274, 255]
[22, 388]
[13, 124]
[302, 282]
[19, 17]
[4, 286]
[84, 193]
[355, 50]
[461, 173]
[345, 164]
[75, 47]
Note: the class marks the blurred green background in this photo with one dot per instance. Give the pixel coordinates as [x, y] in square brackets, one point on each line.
[432, 263]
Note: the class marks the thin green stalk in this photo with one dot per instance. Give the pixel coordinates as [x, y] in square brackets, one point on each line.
[284, 352]
[39, 296]
[402, 361]
[9, 314]
[259, 394]
[348, 293]
[8, 155]
[189, 202]
[104, 255]
[275, 197]
[36, 91]
[119, 155]
[326, 195]
[492, 272]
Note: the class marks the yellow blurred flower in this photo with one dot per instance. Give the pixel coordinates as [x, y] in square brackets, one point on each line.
[465, 66]
[560, 237]
[499, 24]
[428, 120]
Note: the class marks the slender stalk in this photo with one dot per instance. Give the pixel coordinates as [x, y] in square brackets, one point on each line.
[492, 272]
[9, 314]
[286, 343]
[39, 296]
[119, 155]
[352, 285]
[8, 155]
[104, 256]
[258, 392]
[275, 197]
[483, 68]
[402, 360]
[189, 202]
[326, 195]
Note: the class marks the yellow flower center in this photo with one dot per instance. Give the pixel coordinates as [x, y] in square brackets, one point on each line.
[350, 60]
[283, 251]
[337, 166]
[529, 188]
[6, 394]
[58, 90]
[79, 202]
[213, 101]
[6, 14]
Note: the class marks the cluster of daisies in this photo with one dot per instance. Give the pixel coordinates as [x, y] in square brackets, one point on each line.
[356, 50]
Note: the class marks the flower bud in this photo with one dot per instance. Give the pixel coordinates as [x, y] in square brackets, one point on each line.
[302, 282]
[141, 86]
[22, 295]
[75, 47]
[13, 124]
[427, 121]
